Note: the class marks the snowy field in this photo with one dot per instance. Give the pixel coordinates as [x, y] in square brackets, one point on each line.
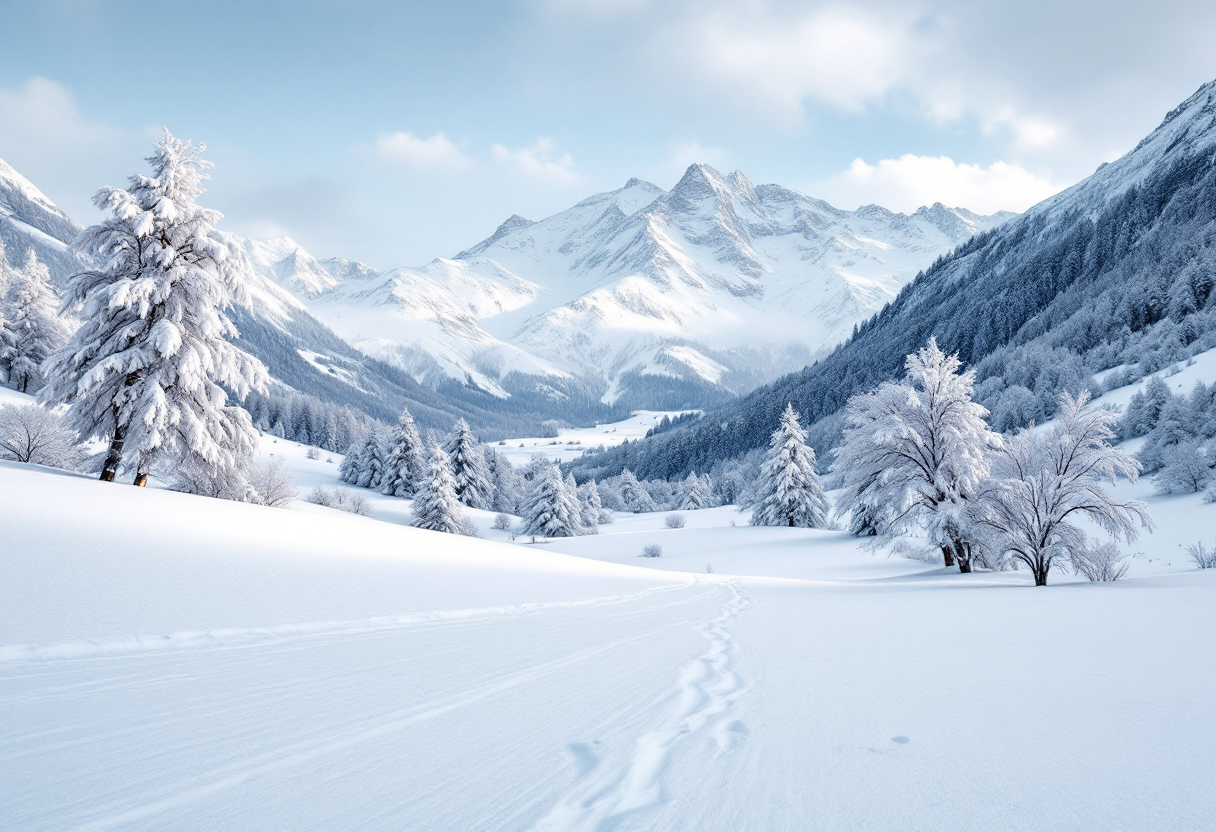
[177, 662]
[572, 442]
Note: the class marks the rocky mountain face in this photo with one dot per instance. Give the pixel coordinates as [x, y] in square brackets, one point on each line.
[1118, 271]
[640, 296]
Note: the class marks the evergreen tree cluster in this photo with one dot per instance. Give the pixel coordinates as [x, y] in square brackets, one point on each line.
[308, 420]
[1179, 436]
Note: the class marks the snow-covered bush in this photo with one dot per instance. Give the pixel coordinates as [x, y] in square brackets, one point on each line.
[1187, 468]
[549, 429]
[29, 433]
[1202, 556]
[1043, 481]
[654, 550]
[502, 522]
[674, 521]
[271, 484]
[312, 453]
[343, 499]
[1099, 563]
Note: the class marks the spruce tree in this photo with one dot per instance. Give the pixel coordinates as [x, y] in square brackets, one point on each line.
[372, 461]
[150, 367]
[634, 495]
[547, 511]
[698, 492]
[473, 485]
[435, 505]
[590, 505]
[30, 327]
[348, 471]
[403, 470]
[789, 491]
[574, 509]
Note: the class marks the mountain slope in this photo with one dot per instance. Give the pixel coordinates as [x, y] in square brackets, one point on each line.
[303, 355]
[1117, 270]
[647, 297]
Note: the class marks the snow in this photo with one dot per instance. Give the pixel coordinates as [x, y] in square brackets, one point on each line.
[571, 443]
[171, 661]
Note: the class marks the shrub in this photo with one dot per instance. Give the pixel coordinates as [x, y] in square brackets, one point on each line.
[1100, 563]
[312, 453]
[342, 499]
[549, 429]
[652, 551]
[29, 433]
[1203, 557]
[674, 521]
[271, 484]
[502, 522]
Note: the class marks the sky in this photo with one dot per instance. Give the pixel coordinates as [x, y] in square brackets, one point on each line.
[396, 132]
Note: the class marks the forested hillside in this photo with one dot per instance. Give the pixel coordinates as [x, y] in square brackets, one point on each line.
[1117, 271]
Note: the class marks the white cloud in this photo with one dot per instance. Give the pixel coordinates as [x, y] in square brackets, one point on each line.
[435, 153]
[843, 58]
[45, 136]
[906, 183]
[541, 161]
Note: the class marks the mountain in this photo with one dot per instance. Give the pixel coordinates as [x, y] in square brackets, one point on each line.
[1117, 272]
[30, 221]
[639, 297]
[305, 358]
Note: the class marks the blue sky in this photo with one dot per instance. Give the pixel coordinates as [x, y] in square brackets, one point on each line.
[397, 132]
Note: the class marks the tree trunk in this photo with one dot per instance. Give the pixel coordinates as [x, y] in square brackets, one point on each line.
[1040, 574]
[25, 382]
[109, 468]
[963, 552]
[948, 555]
[141, 479]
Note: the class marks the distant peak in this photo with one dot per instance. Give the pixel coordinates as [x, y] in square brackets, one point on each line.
[635, 182]
[511, 223]
[698, 177]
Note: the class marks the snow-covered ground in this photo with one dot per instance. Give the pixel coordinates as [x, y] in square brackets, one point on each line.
[177, 662]
[572, 442]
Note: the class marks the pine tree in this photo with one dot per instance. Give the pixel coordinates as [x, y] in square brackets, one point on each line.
[30, 327]
[372, 461]
[547, 511]
[573, 508]
[404, 467]
[917, 451]
[789, 492]
[348, 471]
[590, 505]
[473, 485]
[435, 505]
[148, 368]
[634, 495]
[698, 492]
[508, 483]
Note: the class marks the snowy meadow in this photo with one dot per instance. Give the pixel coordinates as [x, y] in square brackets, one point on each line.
[939, 620]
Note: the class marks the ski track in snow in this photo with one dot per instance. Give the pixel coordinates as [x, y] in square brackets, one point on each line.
[241, 636]
[706, 692]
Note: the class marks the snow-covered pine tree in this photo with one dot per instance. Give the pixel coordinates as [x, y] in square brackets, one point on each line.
[546, 511]
[508, 483]
[372, 461]
[473, 485]
[435, 505]
[30, 326]
[789, 492]
[634, 495]
[917, 451]
[404, 467]
[149, 368]
[590, 505]
[698, 492]
[348, 471]
[574, 508]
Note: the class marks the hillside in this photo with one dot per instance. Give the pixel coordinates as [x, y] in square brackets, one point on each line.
[1117, 270]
